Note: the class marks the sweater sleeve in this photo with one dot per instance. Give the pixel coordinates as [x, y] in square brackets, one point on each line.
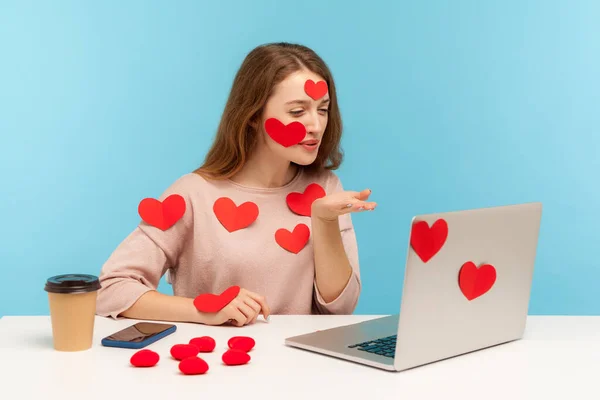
[143, 257]
[346, 302]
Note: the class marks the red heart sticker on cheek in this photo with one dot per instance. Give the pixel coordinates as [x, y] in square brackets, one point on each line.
[210, 303]
[162, 215]
[315, 90]
[286, 135]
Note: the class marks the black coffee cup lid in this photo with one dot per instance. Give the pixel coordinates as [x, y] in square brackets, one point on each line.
[72, 283]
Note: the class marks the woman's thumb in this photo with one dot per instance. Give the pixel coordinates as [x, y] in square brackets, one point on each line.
[364, 195]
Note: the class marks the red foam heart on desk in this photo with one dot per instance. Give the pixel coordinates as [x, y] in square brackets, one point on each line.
[163, 214]
[205, 344]
[235, 357]
[193, 366]
[243, 343]
[211, 303]
[181, 351]
[144, 358]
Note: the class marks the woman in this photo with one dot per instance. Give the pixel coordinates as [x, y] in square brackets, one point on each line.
[264, 212]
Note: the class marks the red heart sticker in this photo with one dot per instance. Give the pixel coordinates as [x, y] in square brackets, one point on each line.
[144, 358]
[425, 241]
[235, 357]
[315, 90]
[210, 303]
[301, 203]
[162, 215]
[181, 351]
[286, 135]
[243, 343]
[205, 344]
[234, 217]
[474, 281]
[293, 241]
[193, 366]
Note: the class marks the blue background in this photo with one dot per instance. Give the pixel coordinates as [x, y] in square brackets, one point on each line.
[447, 105]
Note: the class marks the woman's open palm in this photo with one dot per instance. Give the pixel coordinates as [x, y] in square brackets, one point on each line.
[332, 206]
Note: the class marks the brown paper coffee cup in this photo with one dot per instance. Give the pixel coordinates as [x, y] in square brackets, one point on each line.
[72, 300]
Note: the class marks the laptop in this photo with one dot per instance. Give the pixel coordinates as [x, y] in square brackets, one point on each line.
[466, 287]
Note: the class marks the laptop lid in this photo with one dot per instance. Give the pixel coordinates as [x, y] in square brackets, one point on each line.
[467, 281]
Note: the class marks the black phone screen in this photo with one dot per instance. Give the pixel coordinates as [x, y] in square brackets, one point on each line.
[139, 332]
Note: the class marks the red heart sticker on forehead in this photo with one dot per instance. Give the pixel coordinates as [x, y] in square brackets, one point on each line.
[286, 135]
[315, 90]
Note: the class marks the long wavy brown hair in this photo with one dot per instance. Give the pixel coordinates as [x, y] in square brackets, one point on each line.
[238, 132]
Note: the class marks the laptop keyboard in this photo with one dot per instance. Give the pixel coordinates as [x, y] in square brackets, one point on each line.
[384, 346]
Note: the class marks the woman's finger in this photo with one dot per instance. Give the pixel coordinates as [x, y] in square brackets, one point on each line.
[266, 311]
[250, 302]
[351, 203]
[247, 311]
[363, 195]
[239, 319]
[363, 206]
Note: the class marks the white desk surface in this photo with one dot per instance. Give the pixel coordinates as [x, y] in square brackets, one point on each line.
[558, 358]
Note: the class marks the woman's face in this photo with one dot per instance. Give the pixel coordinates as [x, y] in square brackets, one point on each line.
[291, 104]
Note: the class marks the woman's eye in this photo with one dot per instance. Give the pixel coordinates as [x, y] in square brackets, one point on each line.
[296, 113]
[324, 110]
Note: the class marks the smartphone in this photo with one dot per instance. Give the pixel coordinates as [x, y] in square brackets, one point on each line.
[139, 335]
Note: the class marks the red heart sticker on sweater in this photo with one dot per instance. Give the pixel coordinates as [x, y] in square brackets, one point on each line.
[293, 241]
[315, 90]
[193, 366]
[210, 303]
[205, 344]
[144, 358]
[243, 343]
[181, 351]
[162, 215]
[235, 357]
[286, 135]
[474, 281]
[425, 241]
[301, 203]
[234, 217]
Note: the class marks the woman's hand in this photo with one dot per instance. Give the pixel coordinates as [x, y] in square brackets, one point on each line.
[242, 310]
[330, 207]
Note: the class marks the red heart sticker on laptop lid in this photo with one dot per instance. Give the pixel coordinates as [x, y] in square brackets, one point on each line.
[426, 241]
[475, 282]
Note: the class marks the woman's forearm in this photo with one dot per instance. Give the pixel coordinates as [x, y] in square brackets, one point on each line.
[157, 306]
[332, 267]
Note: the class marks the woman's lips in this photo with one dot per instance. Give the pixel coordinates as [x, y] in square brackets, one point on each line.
[310, 145]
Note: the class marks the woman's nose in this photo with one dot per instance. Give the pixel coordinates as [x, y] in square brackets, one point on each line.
[313, 124]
